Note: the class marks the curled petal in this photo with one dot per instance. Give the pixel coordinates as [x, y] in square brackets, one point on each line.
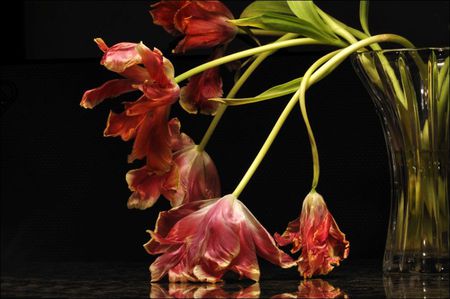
[323, 246]
[202, 87]
[120, 57]
[147, 186]
[178, 140]
[158, 68]
[109, 89]
[154, 96]
[291, 235]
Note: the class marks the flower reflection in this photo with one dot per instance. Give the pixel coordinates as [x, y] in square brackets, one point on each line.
[201, 290]
[314, 288]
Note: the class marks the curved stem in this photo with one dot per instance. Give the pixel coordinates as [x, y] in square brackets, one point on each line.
[340, 30]
[273, 134]
[242, 79]
[262, 32]
[245, 53]
[323, 71]
[302, 98]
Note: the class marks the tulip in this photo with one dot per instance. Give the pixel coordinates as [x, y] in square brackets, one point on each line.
[146, 119]
[202, 240]
[204, 24]
[318, 237]
[202, 87]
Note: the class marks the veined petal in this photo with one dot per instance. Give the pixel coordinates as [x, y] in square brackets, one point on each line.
[165, 262]
[120, 124]
[265, 244]
[146, 186]
[167, 220]
[163, 12]
[204, 25]
[246, 263]
[153, 141]
[109, 89]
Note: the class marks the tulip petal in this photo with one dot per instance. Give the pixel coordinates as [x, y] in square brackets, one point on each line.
[109, 89]
[162, 13]
[120, 57]
[120, 124]
[265, 244]
[165, 262]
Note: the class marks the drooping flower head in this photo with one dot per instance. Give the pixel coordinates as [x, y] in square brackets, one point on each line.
[318, 237]
[192, 175]
[145, 119]
[202, 87]
[202, 23]
[201, 240]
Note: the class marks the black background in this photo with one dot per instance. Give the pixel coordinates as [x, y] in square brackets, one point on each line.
[63, 189]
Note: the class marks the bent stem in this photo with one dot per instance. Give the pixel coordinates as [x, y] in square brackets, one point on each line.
[273, 134]
[250, 52]
[242, 79]
[332, 61]
[302, 99]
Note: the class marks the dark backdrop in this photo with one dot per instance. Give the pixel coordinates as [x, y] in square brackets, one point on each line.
[63, 189]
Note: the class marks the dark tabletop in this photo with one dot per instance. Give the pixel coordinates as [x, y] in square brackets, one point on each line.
[353, 279]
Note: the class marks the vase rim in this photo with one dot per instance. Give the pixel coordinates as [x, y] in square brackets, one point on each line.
[439, 49]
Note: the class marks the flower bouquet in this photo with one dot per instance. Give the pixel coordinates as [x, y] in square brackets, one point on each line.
[206, 233]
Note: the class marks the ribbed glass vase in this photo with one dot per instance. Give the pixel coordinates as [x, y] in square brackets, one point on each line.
[410, 89]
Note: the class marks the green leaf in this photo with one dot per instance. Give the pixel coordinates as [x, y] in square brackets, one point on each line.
[364, 15]
[306, 10]
[284, 23]
[258, 8]
[273, 92]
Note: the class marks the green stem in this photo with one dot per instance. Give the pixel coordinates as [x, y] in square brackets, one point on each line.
[302, 98]
[339, 30]
[324, 70]
[242, 79]
[262, 32]
[246, 53]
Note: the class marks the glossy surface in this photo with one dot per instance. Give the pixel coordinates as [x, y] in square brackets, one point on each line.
[354, 278]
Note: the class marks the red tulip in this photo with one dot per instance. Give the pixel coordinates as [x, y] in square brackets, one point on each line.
[202, 23]
[202, 87]
[145, 120]
[201, 240]
[316, 233]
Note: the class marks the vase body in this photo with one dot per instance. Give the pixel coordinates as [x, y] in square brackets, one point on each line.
[409, 88]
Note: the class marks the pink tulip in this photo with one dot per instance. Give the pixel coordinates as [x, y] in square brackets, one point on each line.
[201, 240]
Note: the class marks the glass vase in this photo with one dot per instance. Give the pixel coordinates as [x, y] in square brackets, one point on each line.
[410, 90]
